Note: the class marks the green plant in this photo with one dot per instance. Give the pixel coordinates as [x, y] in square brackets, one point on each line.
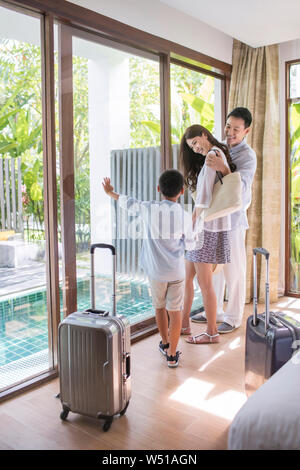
[32, 173]
[187, 109]
[20, 98]
[21, 126]
[295, 190]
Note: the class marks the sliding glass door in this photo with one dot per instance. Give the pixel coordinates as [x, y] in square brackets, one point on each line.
[293, 167]
[110, 125]
[24, 334]
[116, 134]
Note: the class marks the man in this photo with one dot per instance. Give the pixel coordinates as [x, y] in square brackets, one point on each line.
[234, 274]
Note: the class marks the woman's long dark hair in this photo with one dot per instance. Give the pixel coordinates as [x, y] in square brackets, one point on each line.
[190, 162]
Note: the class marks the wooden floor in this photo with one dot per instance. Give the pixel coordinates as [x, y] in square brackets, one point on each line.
[190, 407]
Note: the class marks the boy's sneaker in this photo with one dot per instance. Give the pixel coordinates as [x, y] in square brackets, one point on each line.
[199, 318]
[163, 348]
[173, 361]
[225, 328]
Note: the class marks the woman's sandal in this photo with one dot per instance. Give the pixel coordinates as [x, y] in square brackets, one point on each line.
[205, 338]
[163, 347]
[186, 331]
[173, 361]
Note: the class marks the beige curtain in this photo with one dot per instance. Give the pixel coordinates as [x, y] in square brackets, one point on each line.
[255, 85]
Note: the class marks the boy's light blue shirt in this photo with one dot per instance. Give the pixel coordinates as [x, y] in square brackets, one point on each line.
[167, 234]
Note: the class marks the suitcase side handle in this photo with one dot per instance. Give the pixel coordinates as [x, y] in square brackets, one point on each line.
[265, 253]
[113, 250]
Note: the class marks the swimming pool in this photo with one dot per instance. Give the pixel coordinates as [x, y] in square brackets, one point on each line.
[24, 322]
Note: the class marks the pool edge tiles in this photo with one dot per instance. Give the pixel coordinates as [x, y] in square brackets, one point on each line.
[23, 369]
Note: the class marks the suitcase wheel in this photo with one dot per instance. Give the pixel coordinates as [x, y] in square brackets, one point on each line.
[124, 411]
[64, 414]
[107, 424]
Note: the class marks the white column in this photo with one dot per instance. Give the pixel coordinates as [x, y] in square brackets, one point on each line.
[109, 129]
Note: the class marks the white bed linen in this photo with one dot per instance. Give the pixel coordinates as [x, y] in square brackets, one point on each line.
[270, 419]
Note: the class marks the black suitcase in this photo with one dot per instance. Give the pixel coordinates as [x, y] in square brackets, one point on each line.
[271, 338]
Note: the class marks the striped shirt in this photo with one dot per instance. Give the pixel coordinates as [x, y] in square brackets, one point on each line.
[244, 157]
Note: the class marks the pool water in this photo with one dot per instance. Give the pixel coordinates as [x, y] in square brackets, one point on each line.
[24, 318]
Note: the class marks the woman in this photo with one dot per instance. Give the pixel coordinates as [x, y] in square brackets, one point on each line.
[196, 147]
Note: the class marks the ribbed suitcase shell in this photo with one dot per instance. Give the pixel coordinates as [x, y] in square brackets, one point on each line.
[94, 358]
[94, 364]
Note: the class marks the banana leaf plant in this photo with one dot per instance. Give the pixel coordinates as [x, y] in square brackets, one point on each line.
[198, 108]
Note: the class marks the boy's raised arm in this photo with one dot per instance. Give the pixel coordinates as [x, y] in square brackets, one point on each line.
[108, 188]
[130, 204]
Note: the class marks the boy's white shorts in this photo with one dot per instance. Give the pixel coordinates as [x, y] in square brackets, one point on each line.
[167, 295]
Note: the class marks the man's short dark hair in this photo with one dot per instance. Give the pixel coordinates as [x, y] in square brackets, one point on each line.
[171, 183]
[242, 113]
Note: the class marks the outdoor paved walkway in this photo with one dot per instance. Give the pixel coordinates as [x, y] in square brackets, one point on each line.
[13, 280]
[31, 276]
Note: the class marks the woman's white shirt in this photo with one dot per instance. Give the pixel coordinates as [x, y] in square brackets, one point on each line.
[205, 185]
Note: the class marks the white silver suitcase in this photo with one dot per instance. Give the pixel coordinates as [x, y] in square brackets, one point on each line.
[94, 358]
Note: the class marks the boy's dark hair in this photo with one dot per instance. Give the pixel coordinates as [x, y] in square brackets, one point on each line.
[171, 183]
[242, 113]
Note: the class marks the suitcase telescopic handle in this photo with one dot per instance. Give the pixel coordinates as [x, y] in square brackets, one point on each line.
[113, 251]
[265, 253]
[102, 245]
[261, 251]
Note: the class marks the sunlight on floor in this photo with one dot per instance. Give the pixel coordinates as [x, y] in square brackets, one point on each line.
[236, 343]
[195, 392]
[216, 356]
[287, 303]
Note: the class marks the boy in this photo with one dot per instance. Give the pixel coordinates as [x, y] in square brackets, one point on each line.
[167, 233]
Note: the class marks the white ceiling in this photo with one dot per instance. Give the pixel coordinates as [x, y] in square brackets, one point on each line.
[254, 22]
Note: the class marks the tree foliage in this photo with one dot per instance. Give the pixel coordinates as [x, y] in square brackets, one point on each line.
[21, 118]
[21, 124]
[295, 184]
[81, 140]
[192, 101]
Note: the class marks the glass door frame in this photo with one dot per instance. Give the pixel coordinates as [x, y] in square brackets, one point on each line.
[65, 57]
[50, 199]
[71, 15]
[288, 102]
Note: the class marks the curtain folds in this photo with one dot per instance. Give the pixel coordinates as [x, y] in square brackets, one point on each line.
[255, 85]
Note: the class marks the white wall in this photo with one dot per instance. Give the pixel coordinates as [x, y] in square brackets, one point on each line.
[289, 50]
[159, 19]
